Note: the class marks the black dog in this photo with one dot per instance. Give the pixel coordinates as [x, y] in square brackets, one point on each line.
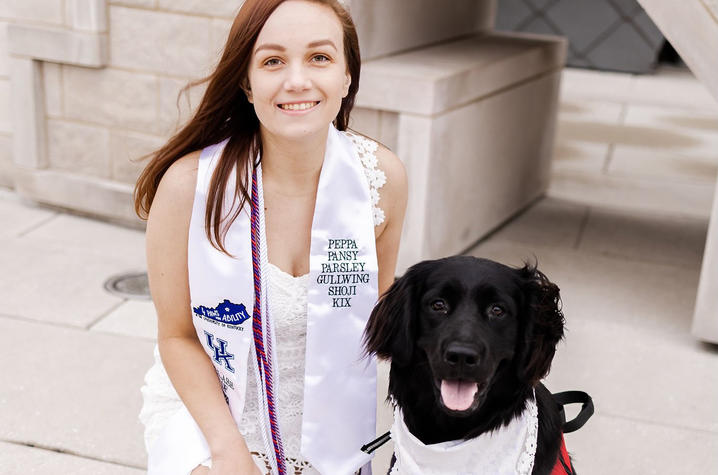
[469, 340]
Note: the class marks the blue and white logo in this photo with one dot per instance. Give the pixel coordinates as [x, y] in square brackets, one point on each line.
[221, 355]
[231, 314]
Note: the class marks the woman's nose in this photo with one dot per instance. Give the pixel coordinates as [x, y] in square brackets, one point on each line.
[297, 79]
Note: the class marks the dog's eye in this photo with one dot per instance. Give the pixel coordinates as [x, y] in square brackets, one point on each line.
[496, 311]
[439, 305]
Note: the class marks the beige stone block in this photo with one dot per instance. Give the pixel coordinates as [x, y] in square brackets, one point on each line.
[677, 166]
[78, 148]
[6, 115]
[76, 392]
[58, 45]
[695, 130]
[705, 318]
[166, 43]
[68, 291]
[134, 3]
[611, 444]
[7, 165]
[674, 140]
[19, 459]
[640, 359]
[389, 27]
[447, 75]
[219, 31]
[4, 65]
[480, 175]
[414, 148]
[693, 32]
[677, 88]
[87, 15]
[83, 194]
[94, 238]
[673, 240]
[52, 80]
[594, 110]
[583, 84]
[133, 318]
[632, 193]
[649, 297]
[43, 11]
[126, 149]
[175, 108]
[381, 126]
[214, 8]
[29, 128]
[111, 97]
[19, 216]
[365, 121]
[687, 119]
[548, 222]
[389, 130]
[712, 5]
[576, 155]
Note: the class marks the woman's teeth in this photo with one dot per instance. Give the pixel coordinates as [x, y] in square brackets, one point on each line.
[298, 107]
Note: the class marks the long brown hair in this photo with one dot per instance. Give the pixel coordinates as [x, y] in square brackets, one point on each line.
[225, 113]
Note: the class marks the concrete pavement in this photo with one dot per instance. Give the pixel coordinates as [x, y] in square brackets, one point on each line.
[621, 232]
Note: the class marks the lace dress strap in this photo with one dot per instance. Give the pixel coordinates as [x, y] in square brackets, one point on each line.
[366, 150]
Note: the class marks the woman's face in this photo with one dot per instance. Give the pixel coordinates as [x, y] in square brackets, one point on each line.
[298, 74]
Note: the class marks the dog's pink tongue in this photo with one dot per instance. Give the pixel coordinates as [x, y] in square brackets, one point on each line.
[458, 395]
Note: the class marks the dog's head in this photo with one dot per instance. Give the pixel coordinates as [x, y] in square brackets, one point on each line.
[473, 321]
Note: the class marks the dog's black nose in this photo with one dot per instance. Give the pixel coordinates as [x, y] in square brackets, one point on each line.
[461, 354]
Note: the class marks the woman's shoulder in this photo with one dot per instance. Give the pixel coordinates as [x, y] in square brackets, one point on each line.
[182, 173]
[176, 189]
[385, 172]
[393, 195]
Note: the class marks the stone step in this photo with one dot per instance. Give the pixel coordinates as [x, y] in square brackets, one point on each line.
[473, 121]
[434, 79]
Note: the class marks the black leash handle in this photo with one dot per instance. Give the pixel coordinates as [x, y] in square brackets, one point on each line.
[574, 397]
[376, 443]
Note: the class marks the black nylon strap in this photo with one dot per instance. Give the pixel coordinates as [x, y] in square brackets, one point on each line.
[376, 443]
[566, 467]
[574, 397]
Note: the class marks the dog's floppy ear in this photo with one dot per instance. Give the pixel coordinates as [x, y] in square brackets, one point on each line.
[389, 332]
[542, 324]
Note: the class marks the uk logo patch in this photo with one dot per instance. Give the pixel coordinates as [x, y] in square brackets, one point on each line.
[227, 313]
[221, 355]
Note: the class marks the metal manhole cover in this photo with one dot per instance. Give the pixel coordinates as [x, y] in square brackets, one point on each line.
[130, 285]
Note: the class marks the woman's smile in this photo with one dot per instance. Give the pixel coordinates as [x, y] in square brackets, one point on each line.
[298, 108]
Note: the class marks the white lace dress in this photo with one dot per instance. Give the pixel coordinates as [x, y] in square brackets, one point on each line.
[287, 301]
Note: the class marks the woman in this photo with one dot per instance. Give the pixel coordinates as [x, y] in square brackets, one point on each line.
[269, 234]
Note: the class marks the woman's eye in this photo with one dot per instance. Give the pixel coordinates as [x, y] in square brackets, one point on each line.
[439, 305]
[320, 58]
[496, 311]
[271, 62]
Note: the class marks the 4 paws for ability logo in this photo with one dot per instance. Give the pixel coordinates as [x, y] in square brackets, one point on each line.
[226, 313]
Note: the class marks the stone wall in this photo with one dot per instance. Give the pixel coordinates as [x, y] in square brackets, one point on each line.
[99, 116]
[88, 86]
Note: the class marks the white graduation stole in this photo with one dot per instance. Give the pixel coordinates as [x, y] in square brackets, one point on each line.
[340, 384]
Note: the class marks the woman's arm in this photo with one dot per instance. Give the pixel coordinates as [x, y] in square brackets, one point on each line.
[393, 198]
[186, 362]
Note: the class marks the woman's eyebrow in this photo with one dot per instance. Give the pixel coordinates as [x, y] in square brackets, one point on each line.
[313, 44]
[270, 46]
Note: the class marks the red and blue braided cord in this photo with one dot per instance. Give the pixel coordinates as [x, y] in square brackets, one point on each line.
[263, 361]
